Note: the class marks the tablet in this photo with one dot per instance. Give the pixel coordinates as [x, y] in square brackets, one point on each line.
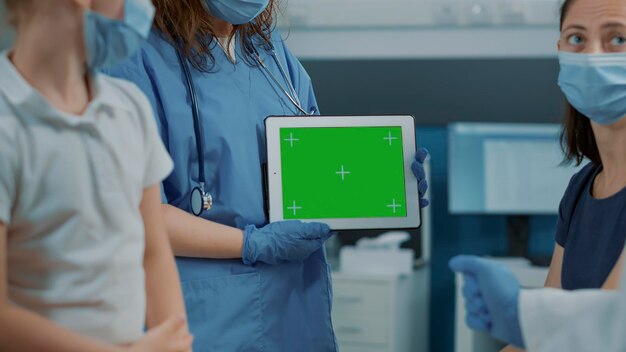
[350, 172]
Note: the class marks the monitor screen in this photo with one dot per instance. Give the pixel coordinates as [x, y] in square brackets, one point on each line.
[343, 172]
[512, 169]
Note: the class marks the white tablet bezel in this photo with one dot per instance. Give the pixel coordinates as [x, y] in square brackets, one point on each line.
[273, 124]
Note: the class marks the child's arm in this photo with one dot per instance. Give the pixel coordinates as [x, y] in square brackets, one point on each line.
[163, 290]
[21, 330]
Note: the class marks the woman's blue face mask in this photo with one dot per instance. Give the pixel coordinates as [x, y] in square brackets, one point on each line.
[109, 42]
[595, 84]
[237, 11]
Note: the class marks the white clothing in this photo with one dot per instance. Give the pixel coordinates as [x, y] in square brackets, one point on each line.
[575, 321]
[70, 191]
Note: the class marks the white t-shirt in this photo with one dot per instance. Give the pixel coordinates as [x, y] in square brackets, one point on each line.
[70, 191]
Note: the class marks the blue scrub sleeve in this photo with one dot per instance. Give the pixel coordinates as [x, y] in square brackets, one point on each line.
[8, 170]
[157, 162]
[142, 81]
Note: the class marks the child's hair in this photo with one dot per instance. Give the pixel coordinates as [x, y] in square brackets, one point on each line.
[16, 9]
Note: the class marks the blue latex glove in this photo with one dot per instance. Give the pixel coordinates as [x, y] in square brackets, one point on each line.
[491, 294]
[283, 241]
[418, 171]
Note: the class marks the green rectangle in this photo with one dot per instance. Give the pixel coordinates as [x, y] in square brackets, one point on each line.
[345, 172]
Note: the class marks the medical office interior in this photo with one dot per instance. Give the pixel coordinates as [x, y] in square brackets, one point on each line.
[480, 79]
[479, 76]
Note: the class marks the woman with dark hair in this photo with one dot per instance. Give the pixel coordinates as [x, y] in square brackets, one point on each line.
[213, 70]
[592, 218]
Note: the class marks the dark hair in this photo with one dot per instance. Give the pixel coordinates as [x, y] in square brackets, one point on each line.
[567, 4]
[577, 139]
[187, 24]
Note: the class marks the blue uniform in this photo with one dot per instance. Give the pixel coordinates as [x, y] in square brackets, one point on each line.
[591, 231]
[232, 306]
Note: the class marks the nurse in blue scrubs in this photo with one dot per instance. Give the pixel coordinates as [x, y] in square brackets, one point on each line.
[213, 70]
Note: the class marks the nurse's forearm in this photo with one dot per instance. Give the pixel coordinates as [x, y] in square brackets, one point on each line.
[196, 237]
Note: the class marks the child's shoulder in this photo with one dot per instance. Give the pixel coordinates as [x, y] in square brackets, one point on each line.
[10, 129]
[124, 88]
[9, 122]
[125, 94]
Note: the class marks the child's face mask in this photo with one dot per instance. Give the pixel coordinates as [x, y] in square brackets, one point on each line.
[108, 42]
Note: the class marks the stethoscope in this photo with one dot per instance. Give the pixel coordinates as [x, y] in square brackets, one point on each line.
[293, 96]
[200, 200]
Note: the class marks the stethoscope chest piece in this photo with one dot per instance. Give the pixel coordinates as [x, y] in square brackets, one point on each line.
[200, 201]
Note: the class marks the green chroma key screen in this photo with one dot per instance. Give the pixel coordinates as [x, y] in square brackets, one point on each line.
[343, 172]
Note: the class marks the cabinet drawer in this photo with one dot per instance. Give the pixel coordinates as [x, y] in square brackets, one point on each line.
[361, 297]
[362, 329]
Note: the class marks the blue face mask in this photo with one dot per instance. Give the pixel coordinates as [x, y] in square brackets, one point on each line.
[109, 41]
[595, 84]
[237, 11]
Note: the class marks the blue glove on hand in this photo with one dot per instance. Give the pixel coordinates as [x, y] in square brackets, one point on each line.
[418, 171]
[283, 241]
[491, 298]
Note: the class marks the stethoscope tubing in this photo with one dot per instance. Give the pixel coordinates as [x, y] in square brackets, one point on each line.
[196, 116]
[291, 96]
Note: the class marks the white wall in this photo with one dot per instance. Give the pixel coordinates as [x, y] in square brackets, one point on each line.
[469, 43]
[374, 29]
[419, 13]
[407, 29]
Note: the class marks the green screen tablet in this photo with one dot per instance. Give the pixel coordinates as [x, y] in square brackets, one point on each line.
[352, 172]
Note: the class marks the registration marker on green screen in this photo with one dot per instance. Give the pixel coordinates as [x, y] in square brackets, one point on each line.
[343, 172]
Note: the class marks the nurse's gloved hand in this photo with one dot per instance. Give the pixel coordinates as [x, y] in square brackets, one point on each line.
[420, 174]
[491, 294]
[283, 241]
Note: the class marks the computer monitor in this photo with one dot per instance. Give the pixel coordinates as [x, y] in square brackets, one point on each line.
[507, 169]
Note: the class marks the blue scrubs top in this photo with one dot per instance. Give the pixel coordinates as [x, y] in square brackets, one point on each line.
[592, 232]
[232, 306]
